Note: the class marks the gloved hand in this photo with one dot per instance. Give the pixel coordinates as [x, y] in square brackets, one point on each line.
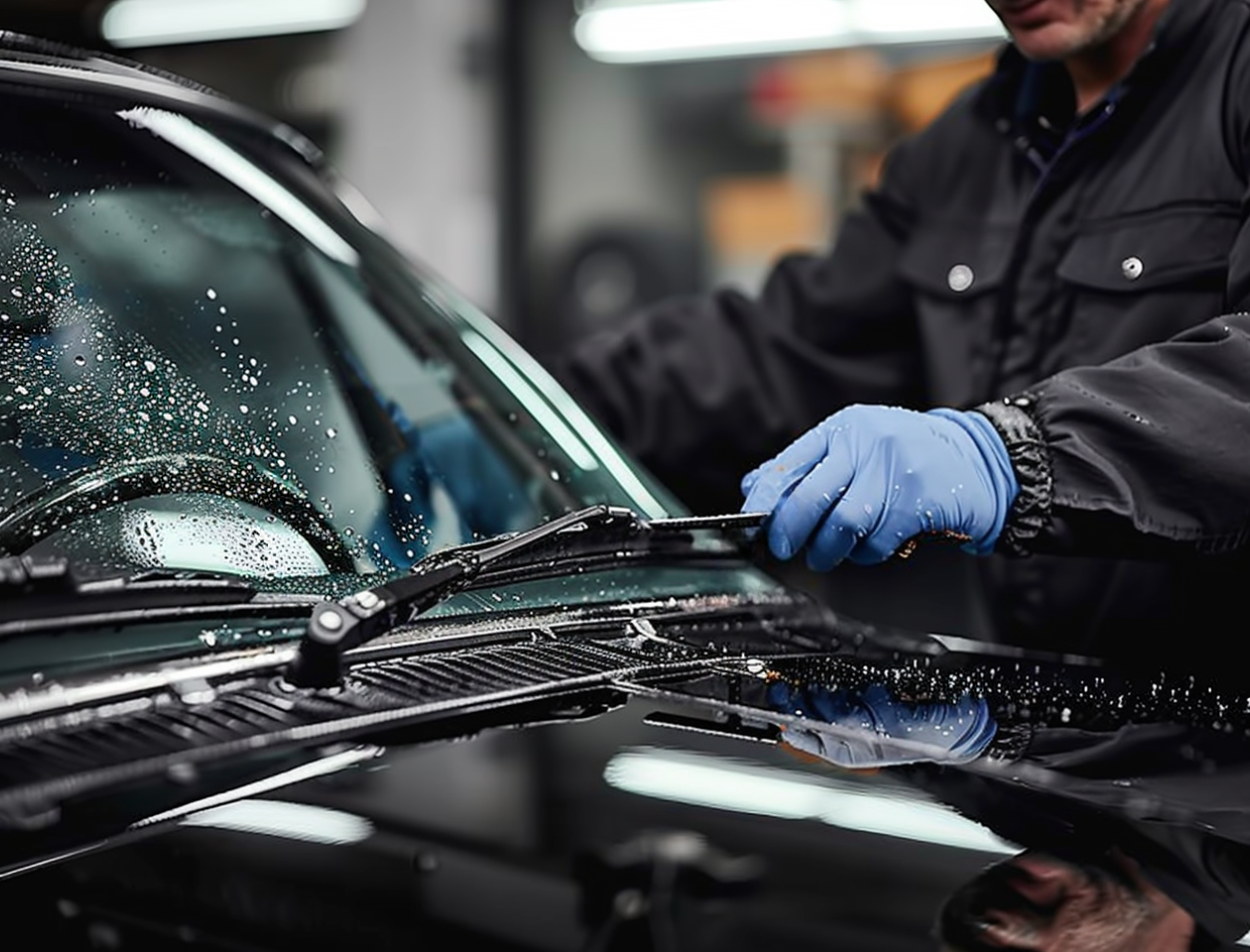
[870, 478]
[873, 729]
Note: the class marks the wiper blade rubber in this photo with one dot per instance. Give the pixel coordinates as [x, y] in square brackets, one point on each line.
[34, 589]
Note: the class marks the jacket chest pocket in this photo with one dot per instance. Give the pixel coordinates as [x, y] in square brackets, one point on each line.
[956, 273]
[1137, 281]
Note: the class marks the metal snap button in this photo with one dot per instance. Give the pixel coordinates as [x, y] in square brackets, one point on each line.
[960, 278]
[1132, 268]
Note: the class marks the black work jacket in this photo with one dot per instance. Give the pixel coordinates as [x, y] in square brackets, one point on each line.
[1011, 249]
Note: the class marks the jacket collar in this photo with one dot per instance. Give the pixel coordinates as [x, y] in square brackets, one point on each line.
[1019, 90]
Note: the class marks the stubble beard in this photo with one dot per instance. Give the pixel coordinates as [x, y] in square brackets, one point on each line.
[1097, 35]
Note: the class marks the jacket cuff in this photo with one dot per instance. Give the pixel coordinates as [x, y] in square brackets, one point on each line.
[1030, 458]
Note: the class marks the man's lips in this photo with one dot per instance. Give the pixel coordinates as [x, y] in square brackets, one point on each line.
[1023, 13]
[1015, 7]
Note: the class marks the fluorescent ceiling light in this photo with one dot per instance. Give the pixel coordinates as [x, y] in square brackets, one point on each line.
[641, 31]
[725, 784]
[164, 22]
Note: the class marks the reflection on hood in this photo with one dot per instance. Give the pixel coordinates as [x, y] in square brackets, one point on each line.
[873, 728]
[1075, 761]
[1203, 870]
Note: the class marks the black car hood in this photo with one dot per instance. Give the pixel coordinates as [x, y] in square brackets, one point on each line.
[637, 719]
[526, 837]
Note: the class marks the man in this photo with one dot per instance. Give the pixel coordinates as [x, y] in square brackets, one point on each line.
[1046, 264]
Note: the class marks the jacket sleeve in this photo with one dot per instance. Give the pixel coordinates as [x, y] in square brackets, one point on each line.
[703, 389]
[1147, 456]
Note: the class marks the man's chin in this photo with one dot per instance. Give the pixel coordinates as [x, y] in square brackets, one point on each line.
[1055, 41]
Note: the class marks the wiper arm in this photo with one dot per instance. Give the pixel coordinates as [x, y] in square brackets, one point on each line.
[336, 627]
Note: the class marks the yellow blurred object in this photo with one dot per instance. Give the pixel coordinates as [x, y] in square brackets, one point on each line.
[761, 216]
[846, 85]
[918, 94]
[837, 113]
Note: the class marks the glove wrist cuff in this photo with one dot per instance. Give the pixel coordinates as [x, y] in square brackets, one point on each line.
[1030, 459]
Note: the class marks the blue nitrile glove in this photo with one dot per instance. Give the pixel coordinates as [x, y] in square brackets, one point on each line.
[870, 478]
[871, 728]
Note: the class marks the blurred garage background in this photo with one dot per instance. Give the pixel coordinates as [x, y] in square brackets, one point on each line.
[566, 161]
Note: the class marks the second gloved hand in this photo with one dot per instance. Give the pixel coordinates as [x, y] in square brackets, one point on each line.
[869, 478]
[873, 728]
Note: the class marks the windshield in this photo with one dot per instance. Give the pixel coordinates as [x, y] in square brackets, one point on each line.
[200, 370]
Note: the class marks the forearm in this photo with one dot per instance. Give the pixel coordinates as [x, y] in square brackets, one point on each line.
[1146, 456]
[725, 373]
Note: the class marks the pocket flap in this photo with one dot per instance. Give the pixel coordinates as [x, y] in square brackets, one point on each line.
[956, 262]
[1128, 257]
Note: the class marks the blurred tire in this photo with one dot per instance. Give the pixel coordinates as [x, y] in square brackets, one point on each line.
[614, 272]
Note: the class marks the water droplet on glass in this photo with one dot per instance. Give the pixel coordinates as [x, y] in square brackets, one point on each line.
[331, 432]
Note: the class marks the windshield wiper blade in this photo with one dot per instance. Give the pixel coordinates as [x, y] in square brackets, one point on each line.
[35, 589]
[336, 627]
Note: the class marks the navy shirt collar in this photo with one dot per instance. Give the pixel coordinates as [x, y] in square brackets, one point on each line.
[1037, 100]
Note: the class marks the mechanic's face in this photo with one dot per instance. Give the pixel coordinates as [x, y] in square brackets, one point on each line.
[1038, 902]
[1057, 29]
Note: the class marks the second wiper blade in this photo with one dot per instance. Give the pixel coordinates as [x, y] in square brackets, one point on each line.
[35, 589]
[337, 627]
